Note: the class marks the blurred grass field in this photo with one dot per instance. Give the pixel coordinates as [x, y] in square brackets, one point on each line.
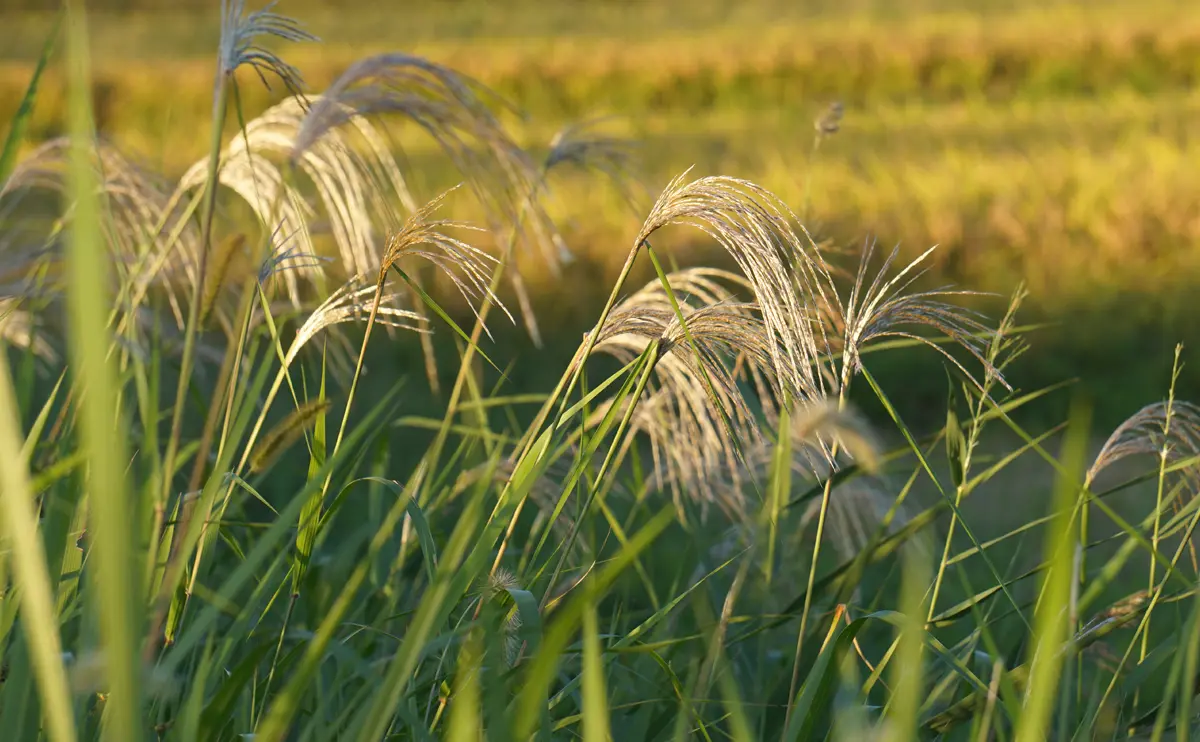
[1050, 143]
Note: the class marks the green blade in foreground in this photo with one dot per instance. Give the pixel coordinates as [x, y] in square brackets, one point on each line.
[114, 564]
[30, 573]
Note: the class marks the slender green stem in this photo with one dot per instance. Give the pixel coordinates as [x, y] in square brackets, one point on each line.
[220, 104]
[651, 361]
[464, 368]
[812, 569]
[562, 395]
[1164, 454]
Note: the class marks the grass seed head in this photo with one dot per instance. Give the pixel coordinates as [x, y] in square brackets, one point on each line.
[239, 45]
[1170, 430]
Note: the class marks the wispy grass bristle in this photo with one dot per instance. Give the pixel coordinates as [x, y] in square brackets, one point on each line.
[240, 46]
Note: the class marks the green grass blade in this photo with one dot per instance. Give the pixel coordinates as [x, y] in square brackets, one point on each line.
[531, 701]
[30, 573]
[779, 485]
[814, 696]
[1051, 618]
[891, 410]
[20, 121]
[595, 694]
[310, 518]
[466, 721]
[284, 708]
[451, 580]
[908, 690]
[111, 505]
[432, 304]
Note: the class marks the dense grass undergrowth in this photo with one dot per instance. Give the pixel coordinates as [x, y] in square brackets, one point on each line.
[225, 514]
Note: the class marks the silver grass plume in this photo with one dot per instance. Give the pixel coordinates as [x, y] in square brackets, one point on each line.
[883, 309]
[584, 146]
[1168, 429]
[576, 146]
[425, 238]
[17, 329]
[457, 113]
[240, 33]
[351, 302]
[815, 428]
[356, 186]
[790, 278]
[358, 299]
[445, 104]
[278, 205]
[688, 436]
[144, 228]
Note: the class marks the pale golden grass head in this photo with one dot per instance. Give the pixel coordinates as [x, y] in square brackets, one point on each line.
[1170, 430]
[885, 309]
[144, 227]
[816, 430]
[352, 302]
[586, 146]
[830, 120]
[857, 509]
[694, 429]
[354, 181]
[17, 328]
[426, 238]
[449, 107]
[457, 113]
[279, 206]
[790, 277]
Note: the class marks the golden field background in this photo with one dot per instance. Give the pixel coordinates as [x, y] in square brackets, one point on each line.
[1056, 144]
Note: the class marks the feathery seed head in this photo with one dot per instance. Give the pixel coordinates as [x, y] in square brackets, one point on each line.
[351, 302]
[457, 113]
[425, 238]
[881, 309]
[240, 33]
[789, 278]
[581, 145]
[1170, 430]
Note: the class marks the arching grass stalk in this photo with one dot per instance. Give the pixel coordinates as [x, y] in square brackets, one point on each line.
[566, 384]
[237, 47]
[226, 386]
[652, 357]
[435, 449]
[687, 335]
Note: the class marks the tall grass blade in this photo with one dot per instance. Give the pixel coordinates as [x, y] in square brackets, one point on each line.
[1051, 628]
[30, 574]
[112, 507]
[595, 694]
